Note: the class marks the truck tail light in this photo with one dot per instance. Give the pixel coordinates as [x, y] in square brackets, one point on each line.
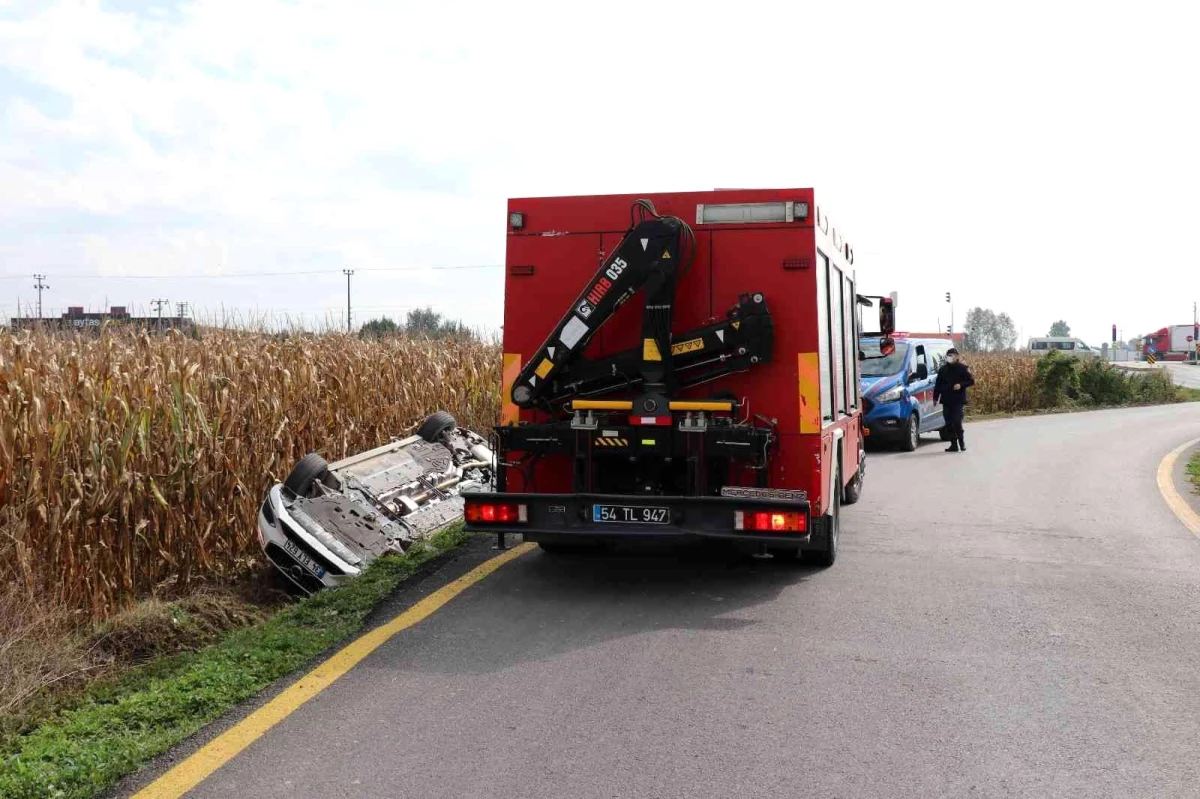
[496, 512]
[766, 521]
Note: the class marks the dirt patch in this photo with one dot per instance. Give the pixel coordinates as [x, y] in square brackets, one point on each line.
[50, 655]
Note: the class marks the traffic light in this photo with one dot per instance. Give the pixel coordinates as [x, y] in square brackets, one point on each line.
[1114, 334]
[949, 329]
[947, 296]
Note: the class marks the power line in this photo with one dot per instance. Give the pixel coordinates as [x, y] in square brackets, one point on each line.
[234, 275]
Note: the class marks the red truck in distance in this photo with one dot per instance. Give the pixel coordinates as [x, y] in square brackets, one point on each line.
[679, 366]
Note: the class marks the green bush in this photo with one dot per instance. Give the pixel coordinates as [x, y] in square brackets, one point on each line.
[1057, 380]
[1101, 384]
[1153, 387]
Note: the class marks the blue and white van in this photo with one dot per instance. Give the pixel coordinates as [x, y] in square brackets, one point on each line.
[897, 390]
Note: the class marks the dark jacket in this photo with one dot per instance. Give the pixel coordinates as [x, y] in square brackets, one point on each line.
[948, 376]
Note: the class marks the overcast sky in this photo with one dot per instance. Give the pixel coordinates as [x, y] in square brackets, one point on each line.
[1035, 158]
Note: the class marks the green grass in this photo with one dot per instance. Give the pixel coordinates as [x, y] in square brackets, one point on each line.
[1193, 471]
[119, 726]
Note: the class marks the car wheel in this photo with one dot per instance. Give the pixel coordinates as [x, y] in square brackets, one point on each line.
[912, 434]
[437, 424]
[830, 529]
[312, 467]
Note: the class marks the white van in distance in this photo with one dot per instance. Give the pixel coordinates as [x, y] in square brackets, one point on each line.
[1065, 344]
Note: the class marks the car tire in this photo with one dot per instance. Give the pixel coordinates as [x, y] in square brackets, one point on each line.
[828, 528]
[435, 425]
[912, 434]
[312, 467]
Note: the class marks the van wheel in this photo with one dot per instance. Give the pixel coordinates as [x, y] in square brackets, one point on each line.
[912, 434]
[828, 529]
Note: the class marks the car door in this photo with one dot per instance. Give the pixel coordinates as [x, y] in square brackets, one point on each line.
[921, 389]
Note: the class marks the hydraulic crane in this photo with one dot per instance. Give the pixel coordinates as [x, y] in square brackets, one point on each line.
[654, 254]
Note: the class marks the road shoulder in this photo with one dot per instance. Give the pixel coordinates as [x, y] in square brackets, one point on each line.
[429, 578]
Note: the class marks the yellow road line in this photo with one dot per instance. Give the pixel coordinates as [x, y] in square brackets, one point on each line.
[195, 769]
[1166, 487]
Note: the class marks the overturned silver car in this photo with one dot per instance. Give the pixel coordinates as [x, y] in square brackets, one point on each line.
[327, 521]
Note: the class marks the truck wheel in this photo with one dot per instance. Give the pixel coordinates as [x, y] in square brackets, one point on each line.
[433, 427]
[312, 467]
[854, 488]
[912, 434]
[828, 529]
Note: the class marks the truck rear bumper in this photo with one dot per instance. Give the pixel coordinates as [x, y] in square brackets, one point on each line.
[567, 517]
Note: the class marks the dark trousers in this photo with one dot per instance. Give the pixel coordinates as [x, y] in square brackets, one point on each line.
[954, 420]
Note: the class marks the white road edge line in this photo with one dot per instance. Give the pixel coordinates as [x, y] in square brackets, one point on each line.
[1166, 486]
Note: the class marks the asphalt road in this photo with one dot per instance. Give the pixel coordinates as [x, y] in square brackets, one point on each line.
[1184, 374]
[1019, 620]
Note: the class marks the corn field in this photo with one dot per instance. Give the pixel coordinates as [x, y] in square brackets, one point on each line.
[132, 463]
[1004, 382]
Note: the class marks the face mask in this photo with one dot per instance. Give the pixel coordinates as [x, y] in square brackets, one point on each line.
[952, 359]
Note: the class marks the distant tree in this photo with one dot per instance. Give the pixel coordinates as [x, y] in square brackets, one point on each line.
[430, 323]
[424, 321]
[1004, 336]
[987, 330]
[978, 328]
[378, 328]
[1059, 328]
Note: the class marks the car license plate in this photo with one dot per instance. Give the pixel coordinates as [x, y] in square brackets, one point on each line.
[631, 514]
[303, 559]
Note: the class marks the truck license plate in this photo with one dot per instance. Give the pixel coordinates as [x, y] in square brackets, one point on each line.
[631, 514]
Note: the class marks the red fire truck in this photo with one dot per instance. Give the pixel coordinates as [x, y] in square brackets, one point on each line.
[679, 366]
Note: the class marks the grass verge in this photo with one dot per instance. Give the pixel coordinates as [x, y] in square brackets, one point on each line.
[1193, 471]
[118, 726]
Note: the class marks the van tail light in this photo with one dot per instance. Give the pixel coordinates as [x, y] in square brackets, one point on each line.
[496, 512]
[765, 521]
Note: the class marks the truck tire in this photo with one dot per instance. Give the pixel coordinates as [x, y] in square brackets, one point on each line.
[912, 434]
[827, 530]
[853, 490]
[436, 424]
[312, 467]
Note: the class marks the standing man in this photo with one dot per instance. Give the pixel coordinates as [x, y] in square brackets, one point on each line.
[953, 380]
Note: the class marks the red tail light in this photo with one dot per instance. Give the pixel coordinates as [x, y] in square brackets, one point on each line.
[761, 521]
[496, 512]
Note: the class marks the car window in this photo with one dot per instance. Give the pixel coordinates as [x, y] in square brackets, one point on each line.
[875, 366]
[1040, 345]
[938, 354]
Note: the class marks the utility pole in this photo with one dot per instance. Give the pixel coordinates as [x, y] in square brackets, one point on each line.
[951, 304]
[158, 306]
[347, 273]
[180, 309]
[41, 286]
